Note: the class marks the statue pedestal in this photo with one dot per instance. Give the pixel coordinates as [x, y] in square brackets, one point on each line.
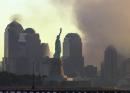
[56, 70]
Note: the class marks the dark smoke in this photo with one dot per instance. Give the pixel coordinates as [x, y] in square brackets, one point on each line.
[16, 17]
[104, 22]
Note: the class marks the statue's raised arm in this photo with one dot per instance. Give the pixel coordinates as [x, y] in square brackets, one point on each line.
[60, 32]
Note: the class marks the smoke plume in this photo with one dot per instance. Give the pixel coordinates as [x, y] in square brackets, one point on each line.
[16, 17]
[105, 22]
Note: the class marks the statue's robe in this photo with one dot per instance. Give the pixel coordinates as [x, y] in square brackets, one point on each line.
[57, 49]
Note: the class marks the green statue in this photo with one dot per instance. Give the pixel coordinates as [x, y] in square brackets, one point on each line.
[58, 46]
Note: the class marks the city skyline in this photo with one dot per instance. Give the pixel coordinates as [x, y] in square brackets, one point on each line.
[48, 20]
[25, 54]
[48, 43]
[99, 22]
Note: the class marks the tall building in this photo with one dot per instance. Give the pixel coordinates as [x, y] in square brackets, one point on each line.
[33, 50]
[22, 51]
[11, 44]
[109, 67]
[73, 61]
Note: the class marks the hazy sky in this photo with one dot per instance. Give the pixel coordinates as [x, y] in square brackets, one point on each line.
[100, 22]
[103, 23]
[42, 15]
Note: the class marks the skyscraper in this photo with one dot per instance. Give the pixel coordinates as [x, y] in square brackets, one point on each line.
[11, 44]
[73, 61]
[12, 32]
[22, 49]
[33, 49]
[110, 65]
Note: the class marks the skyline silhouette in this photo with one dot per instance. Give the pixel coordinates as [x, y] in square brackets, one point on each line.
[41, 15]
[100, 23]
[64, 44]
[25, 54]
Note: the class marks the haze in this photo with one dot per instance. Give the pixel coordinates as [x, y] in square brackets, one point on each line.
[99, 22]
[42, 15]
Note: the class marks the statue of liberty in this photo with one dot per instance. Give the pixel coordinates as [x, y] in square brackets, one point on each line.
[58, 46]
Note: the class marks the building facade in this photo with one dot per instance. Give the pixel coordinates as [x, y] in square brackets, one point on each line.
[23, 51]
[73, 61]
[109, 66]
